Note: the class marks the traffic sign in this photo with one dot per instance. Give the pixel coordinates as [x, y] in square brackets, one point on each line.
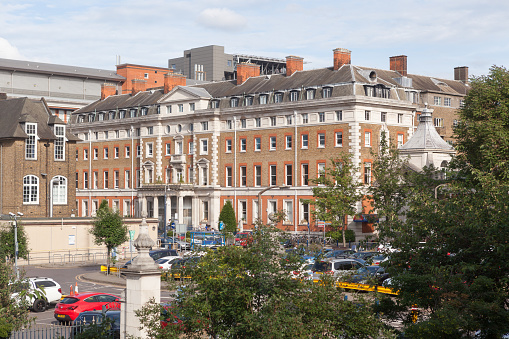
[221, 225]
[131, 235]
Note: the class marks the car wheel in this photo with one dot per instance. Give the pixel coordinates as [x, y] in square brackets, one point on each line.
[39, 305]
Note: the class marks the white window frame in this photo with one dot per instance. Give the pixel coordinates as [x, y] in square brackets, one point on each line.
[60, 143]
[321, 117]
[243, 145]
[243, 176]
[30, 190]
[321, 140]
[338, 136]
[116, 152]
[127, 151]
[229, 176]
[229, 146]
[258, 144]
[367, 139]
[339, 115]
[258, 175]
[305, 118]
[59, 190]
[204, 146]
[288, 142]
[304, 141]
[150, 150]
[367, 115]
[272, 174]
[288, 208]
[304, 174]
[127, 179]
[288, 174]
[272, 143]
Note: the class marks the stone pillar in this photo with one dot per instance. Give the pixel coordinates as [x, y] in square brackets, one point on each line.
[143, 282]
[156, 207]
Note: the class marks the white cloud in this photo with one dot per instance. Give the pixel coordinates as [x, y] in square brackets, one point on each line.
[8, 51]
[221, 18]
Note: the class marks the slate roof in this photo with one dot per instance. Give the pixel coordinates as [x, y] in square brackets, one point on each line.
[74, 71]
[15, 111]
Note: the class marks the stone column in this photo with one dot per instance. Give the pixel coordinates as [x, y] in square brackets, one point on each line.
[143, 282]
[180, 208]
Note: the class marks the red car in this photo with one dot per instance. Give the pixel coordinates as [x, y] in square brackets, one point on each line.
[243, 239]
[71, 306]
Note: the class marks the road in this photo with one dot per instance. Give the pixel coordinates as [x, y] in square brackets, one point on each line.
[68, 277]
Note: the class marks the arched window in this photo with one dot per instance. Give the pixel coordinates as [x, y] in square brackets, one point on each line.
[59, 190]
[30, 189]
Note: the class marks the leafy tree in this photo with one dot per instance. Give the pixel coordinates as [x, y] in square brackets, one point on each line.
[238, 292]
[227, 216]
[109, 229]
[7, 241]
[13, 314]
[337, 193]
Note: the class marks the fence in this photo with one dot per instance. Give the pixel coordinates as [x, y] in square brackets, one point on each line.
[41, 331]
[65, 256]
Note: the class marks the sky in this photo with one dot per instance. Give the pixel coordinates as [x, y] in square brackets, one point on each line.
[435, 35]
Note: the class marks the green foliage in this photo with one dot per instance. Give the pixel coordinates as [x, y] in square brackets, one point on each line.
[97, 330]
[227, 216]
[237, 292]
[7, 241]
[108, 228]
[337, 193]
[338, 236]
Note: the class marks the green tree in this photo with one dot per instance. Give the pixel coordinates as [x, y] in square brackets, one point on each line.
[238, 292]
[7, 241]
[337, 193]
[227, 216]
[109, 228]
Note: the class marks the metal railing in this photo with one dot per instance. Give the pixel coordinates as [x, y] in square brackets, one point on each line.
[42, 331]
[78, 256]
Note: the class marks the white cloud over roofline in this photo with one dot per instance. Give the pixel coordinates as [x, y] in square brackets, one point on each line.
[221, 18]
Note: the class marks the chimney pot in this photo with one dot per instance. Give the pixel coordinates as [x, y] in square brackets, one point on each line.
[294, 64]
[107, 90]
[138, 85]
[342, 56]
[246, 70]
[461, 74]
[399, 64]
[172, 80]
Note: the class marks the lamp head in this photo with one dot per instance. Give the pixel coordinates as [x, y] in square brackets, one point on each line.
[20, 214]
[12, 214]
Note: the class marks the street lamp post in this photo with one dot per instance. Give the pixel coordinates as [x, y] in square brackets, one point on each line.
[52, 182]
[15, 216]
[260, 199]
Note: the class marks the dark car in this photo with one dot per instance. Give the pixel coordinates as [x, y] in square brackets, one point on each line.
[157, 254]
[338, 254]
[370, 274]
[364, 255]
[84, 321]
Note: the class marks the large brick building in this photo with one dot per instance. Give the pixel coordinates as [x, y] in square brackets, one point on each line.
[180, 152]
[36, 176]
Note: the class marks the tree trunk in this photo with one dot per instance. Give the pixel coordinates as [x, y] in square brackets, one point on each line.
[108, 262]
[343, 231]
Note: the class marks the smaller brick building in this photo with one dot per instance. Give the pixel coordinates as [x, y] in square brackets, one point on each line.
[36, 176]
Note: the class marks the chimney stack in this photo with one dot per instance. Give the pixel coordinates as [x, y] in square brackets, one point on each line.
[342, 56]
[107, 90]
[294, 64]
[461, 74]
[138, 85]
[398, 64]
[172, 80]
[246, 70]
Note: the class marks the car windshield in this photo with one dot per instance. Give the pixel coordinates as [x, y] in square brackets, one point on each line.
[378, 257]
[322, 266]
[69, 300]
[368, 270]
[161, 261]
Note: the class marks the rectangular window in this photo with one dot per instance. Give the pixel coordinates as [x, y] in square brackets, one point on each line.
[289, 175]
[438, 122]
[150, 149]
[367, 173]
[77, 154]
[127, 151]
[168, 109]
[321, 140]
[289, 119]
[305, 141]
[168, 149]
[96, 153]
[447, 102]
[191, 147]
[117, 134]
[205, 125]
[367, 115]
[138, 151]
[321, 169]
[327, 91]
[310, 94]
[85, 179]
[106, 135]
[178, 148]
[273, 175]
[305, 213]
[401, 139]
[229, 124]
[255, 211]
[288, 207]
[138, 176]
[243, 123]
[288, 142]
[229, 176]
[437, 101]
[273, 143]
[321, 117]
[116, 152]
[249, 101]
[258, 175]
[59, 142]
[339, 139]
[95, 180]
[127, 179]
[273, 121]
[294, 96]
[367, 139]
[204, 176]
[258, 122]
[305, 118]
[191, 106]
[278, 97]
[339, 115]
[258, 144]
[243, 210]
[263, 99]
[304, 174]
[181, 108]
[228, 145]
[204, 149]
[150, 130]
[85, 154]
[243, 145]
[116, 179]
[105, 153]
[234, 102]
[243, 176]
[400, 118]
[383, 116]
[105, 180]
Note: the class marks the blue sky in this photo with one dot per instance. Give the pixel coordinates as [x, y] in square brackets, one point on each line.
[435, 35]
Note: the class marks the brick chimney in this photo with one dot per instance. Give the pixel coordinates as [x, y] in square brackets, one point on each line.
[342, 56]
[461, 74]
[398, 64]
[107, 90]
[294, 64]
[172, 80]
[246, 70]
[138, 85]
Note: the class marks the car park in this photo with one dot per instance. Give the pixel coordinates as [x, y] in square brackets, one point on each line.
[71, 306]
[157, 254]
[165, 263]
[338, 267]
[181, 244]
[369, 274]
[243, 238]
[364, 255]
[338, 254]
[39, 291]
[305, 272]
[82, 323]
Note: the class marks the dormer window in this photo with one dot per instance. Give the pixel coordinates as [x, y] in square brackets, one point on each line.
[249, 101]
[310, 94]
[100, 116]
[263, 99]
[81, 118]
[31, 141]
[132, 112]
[378, 91]
[144, 111]
[327, 92]
[91, 117]
[122, 114]
[59, 131]
[278, 97]
[111, 115]
[234, 102]
[294, 96]
[214, 104]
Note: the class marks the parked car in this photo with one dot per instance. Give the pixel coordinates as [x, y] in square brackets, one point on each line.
[165, 263]
[243, 238]
[338, 267]
[305, 272]
[181, 244]
[364, 255]
[378, 259]
[71, 306]
[157, 254]
[338, 254]
[85, 319]
[369, 274]
[48, 292]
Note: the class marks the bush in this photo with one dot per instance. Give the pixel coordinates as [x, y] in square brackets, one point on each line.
[338, 236]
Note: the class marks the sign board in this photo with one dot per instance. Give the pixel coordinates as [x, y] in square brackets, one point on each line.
[221, 225]
[131, 235]
[172, 225]
[181, 228]
[72, 240]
